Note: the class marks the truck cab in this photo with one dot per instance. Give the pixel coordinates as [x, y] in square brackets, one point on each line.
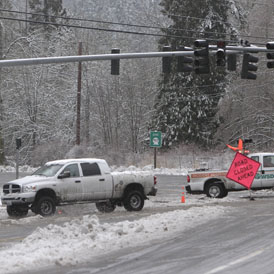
[265, 175]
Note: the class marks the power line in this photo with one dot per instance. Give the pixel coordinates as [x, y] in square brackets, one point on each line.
[112, 23]
[126, 24]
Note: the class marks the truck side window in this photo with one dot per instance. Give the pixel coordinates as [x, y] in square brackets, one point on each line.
[90, 169]
[268, 161]
[255, 158]
[73, 169]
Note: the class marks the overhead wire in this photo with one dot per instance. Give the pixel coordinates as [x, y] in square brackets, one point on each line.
[124, 24]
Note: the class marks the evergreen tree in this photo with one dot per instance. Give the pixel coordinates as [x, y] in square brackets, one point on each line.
[186, 105]
[46, 11]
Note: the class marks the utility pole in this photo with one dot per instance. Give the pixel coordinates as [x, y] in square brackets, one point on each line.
[26, 10]
[79, 86]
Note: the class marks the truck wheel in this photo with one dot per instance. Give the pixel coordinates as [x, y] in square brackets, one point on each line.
[45, 206]
[17, 212]
[105, 207]
[134, 201]
[215, 190]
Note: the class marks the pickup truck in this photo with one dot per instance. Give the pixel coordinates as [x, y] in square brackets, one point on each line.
[77, 181]
[214, 183]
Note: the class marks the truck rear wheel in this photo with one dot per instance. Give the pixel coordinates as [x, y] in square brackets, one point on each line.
[134, 201]
[105, 207]
[215, 190]
[17, 211]
[45, 206]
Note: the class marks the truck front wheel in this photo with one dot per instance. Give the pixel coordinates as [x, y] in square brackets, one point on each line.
[45, 206]
[215, 190]
[105, 207]
[134, 201]
[17, 212]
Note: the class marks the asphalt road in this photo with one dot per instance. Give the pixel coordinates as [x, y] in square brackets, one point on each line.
[239, 242]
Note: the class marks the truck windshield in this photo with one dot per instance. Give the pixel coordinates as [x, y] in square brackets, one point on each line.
[47, 170]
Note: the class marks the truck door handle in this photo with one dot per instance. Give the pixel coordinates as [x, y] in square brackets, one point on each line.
[78, 181]
[101, 180]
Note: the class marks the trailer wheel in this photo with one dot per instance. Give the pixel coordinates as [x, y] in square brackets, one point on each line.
[105, 207]
[134, 201]
[215, 190]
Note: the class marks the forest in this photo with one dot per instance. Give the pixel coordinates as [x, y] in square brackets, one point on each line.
[110, 116]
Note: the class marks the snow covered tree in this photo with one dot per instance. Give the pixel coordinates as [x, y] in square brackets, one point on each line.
[186, 104]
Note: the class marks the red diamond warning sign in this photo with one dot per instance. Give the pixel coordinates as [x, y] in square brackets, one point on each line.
[243, 170]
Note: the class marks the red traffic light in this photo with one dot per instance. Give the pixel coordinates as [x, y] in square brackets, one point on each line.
[221, 44]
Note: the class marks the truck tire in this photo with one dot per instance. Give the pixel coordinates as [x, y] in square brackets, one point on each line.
[17, 211]
[134, 200]
[45, 206]
[105, 207]
[215, 190]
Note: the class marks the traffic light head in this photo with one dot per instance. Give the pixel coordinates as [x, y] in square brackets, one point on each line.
[115, 63]
[232, 62]
[166, 61]
[184, 63]
[247, 67]
[270, 55]
[220, 54]
[201, 54]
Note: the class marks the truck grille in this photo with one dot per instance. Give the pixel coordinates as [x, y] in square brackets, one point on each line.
[11, 188]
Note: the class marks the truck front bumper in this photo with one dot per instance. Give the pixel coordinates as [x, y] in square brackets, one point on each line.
[18, 199]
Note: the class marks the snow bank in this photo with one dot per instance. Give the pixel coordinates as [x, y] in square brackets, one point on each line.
[79, 240]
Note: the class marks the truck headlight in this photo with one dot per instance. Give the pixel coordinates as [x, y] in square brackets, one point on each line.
[29, 188]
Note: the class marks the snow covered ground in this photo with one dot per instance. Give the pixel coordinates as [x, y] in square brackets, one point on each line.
[80, 239]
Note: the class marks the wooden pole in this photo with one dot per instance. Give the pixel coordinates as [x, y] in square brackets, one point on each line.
[79, 86]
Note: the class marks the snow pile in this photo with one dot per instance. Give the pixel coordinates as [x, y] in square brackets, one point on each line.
[80, 240]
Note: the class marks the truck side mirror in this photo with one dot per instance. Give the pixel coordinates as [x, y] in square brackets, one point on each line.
[65, 174]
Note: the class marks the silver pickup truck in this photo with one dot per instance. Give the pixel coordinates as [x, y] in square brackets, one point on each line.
[77, 181]
[214, 183]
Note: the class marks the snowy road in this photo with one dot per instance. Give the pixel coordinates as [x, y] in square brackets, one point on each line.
[203, 235]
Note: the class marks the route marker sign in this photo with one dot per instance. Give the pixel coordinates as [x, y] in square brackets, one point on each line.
[243, 170]
[155, 139]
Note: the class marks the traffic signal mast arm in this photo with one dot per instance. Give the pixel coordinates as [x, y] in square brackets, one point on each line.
[102, 57]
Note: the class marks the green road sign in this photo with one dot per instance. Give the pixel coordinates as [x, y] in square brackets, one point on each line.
[155, 139]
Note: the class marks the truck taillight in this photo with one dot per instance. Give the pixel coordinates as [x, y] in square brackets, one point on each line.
[188, 178]
[155, 180]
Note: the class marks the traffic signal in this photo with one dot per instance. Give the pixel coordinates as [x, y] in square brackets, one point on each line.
[201, 54]
[183, 62]
[115, 63]
[18, 143]
[270, 55]
[232, 62]
[166, 61]
[247, 67]
[220, 54]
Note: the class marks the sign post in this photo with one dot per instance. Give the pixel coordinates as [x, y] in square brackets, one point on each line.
[18, 145]
[155, 142]
[243, 170]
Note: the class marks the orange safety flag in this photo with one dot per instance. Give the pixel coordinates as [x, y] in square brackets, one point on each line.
[240, 147]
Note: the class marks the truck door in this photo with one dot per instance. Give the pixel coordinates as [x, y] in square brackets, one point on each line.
[257, 183]
[267, 176]
[70, 188]
[94, 182]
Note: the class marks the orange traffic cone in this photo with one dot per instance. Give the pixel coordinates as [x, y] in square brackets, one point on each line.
[183, 200]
